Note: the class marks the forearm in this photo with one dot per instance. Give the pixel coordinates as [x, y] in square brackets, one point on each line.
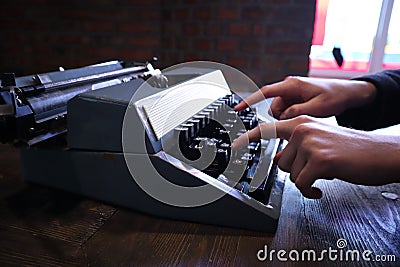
[390, 136]
[387, 162]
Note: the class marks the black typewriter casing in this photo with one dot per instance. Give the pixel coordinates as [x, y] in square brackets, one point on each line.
[92, 163]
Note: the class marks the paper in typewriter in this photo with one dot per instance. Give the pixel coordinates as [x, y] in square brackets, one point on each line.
[171, 107]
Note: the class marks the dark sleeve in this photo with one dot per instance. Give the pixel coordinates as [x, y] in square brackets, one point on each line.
[384, 111]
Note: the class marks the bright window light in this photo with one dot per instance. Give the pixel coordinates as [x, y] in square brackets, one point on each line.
[391, 59]
[345, 25]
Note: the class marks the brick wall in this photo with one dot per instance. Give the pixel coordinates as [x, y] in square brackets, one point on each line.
[267, 40]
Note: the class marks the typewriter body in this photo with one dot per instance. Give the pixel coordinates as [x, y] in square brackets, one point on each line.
[155, 142]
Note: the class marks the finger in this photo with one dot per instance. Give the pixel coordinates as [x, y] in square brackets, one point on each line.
[278, 129]
[287, 157]
[278, 105]
[313, 107]
[297, 165]
[284, 128]
[267, 91]
[246, 138]
[262, 131]
[250, 100]
[241, 106]
[305, 180]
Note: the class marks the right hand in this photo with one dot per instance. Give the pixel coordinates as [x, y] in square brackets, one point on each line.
[318, 150]
[316, 97]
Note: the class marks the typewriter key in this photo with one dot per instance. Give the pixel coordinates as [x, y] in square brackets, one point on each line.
[202, 120]
[196, 125]
[190, 127]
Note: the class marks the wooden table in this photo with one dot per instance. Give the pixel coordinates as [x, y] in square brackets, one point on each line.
[41, 226]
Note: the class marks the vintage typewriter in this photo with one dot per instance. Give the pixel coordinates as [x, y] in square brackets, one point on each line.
[157, 142]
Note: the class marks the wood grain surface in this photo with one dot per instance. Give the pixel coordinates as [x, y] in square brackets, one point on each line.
[41, 226]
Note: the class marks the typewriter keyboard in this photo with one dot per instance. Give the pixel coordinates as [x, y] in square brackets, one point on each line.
[209, 134]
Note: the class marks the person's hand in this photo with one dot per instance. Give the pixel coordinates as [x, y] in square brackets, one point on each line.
[319, 150]
[312, 96]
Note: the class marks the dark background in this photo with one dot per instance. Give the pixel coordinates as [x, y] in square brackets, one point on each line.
[266, 39]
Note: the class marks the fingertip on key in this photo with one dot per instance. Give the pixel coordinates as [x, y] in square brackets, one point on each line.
[239, 142]
[242, 105]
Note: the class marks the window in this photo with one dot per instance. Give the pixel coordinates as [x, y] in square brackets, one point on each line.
[391, 59]
[364, 32]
